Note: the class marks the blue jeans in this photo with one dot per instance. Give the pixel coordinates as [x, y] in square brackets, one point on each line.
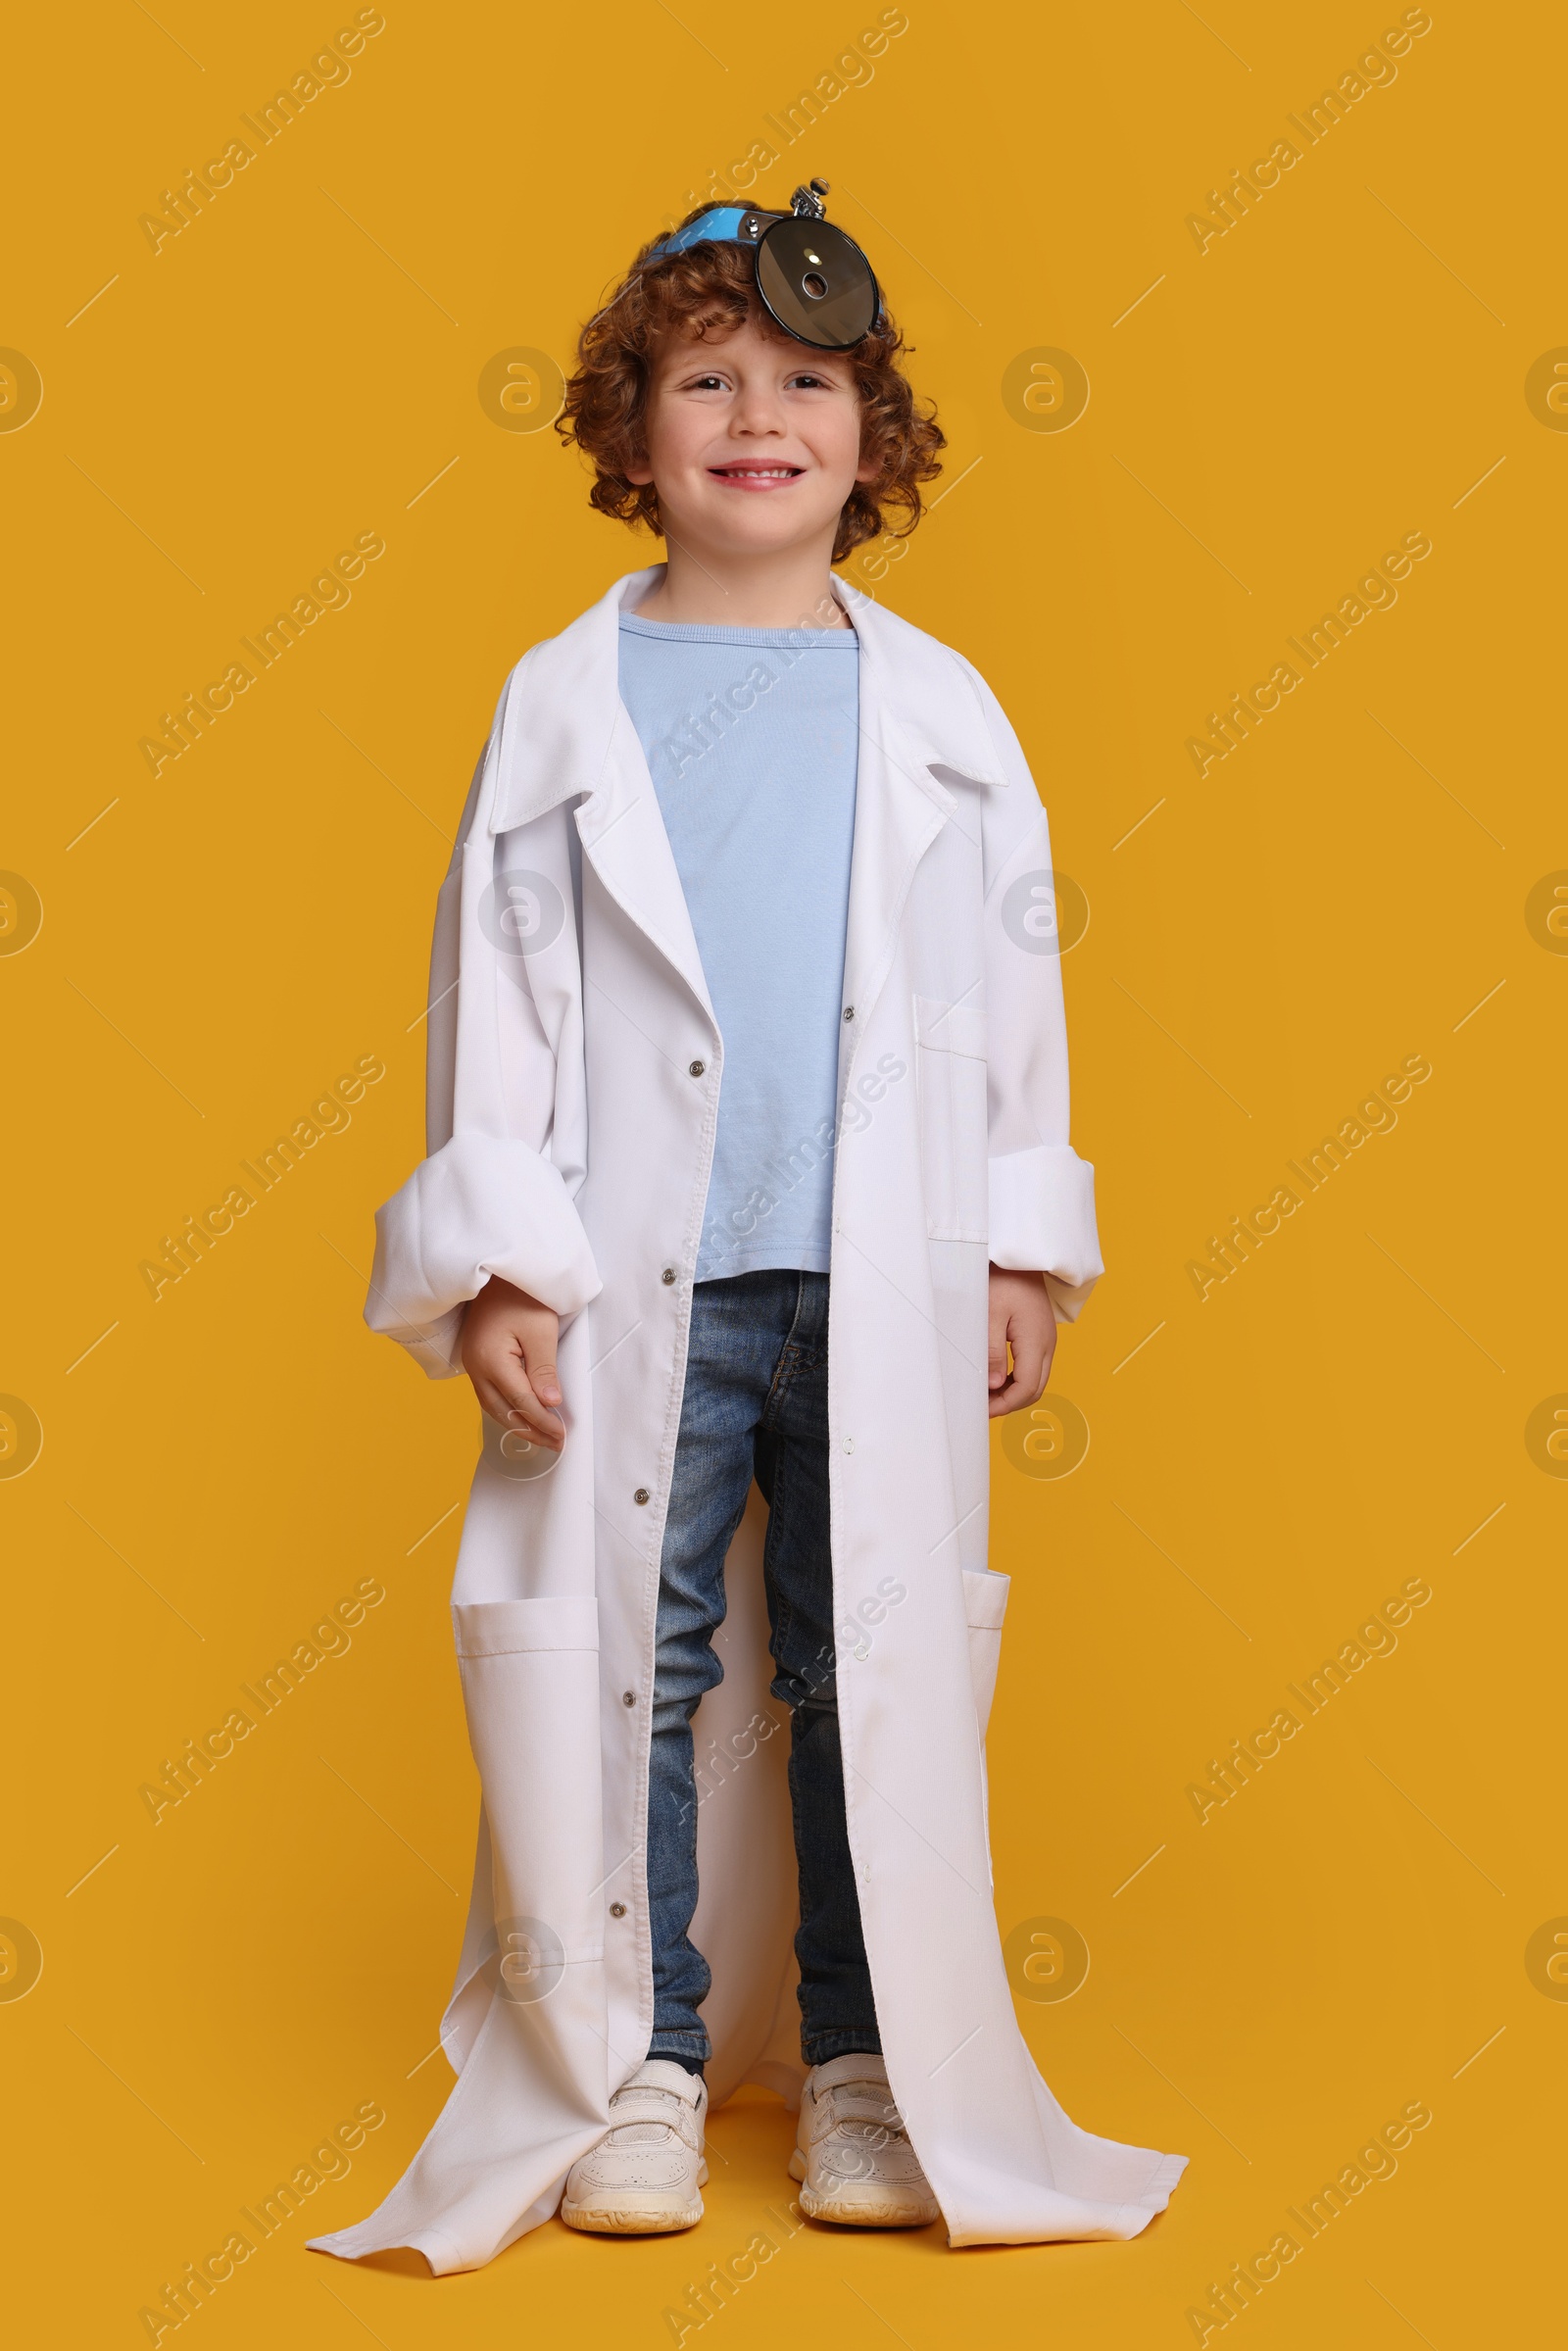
[755, 1404]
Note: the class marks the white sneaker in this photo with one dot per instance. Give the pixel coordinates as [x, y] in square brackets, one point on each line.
[643, 2175]
[852, 2155]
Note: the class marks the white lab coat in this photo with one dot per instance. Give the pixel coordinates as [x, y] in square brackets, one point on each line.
[574, 1073]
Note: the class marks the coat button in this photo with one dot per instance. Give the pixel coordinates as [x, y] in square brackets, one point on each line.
[849, 1011]
[641, 1495]
[617, 1910]
[629, 1698]
[669, 1274]
[697, 1069]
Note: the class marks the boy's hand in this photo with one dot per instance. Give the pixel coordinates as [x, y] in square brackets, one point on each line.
[509, 1352]
[1021, 1317]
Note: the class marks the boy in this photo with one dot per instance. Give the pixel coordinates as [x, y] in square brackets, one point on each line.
[749, 1159]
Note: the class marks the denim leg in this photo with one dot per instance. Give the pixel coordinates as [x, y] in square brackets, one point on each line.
[737, 1327]
[838, 2015]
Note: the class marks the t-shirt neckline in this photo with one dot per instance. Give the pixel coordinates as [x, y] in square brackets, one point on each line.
[705, 633]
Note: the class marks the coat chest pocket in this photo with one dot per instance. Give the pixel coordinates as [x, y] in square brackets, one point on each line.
[951, 1080]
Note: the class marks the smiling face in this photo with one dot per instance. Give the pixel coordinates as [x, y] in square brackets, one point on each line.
[752, 442]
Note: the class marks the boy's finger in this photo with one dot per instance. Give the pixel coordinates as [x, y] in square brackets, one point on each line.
[538, 1419]
[542, 1378]
[504, 1368]
[514, 1401]
[997, 1369]
[541, 1430]
[1028, 1371]
[501, 1378]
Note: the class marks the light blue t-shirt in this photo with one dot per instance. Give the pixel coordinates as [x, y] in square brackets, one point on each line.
[750, 736]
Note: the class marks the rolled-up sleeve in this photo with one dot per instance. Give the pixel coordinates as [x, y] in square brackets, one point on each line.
[1042, 1221]
[482, 1204]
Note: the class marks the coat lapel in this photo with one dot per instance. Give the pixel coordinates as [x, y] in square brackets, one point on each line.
[566, 734]
[910, 738]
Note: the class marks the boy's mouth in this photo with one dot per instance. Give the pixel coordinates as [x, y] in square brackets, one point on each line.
[757, 477]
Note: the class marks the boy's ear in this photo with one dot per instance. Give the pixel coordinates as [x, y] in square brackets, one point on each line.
[639, 472]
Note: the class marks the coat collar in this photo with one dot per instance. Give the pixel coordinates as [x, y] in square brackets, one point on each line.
[564, 716]
[566, 733]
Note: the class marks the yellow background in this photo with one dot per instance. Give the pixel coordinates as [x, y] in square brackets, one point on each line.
[294, 369]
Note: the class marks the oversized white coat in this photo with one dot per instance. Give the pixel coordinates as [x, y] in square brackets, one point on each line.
[575, 1075]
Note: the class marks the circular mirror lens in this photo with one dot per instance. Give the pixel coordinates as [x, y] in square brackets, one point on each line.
[817, 283]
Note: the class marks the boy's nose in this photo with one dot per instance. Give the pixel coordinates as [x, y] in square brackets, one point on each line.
[759, 413]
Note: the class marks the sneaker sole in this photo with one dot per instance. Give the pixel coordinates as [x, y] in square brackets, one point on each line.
[853, 2211]
[630, 2220]
[598, 2219]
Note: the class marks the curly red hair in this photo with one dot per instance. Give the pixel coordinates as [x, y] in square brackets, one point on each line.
[706, 293]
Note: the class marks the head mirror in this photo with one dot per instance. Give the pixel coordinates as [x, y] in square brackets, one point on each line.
[817, 283]
[813, 280]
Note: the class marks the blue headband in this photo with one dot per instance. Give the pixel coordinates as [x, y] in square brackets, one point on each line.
[719, 225]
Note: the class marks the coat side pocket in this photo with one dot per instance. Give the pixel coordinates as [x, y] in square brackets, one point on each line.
[530, 1686]
[950, 1063]
[985, 1604]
